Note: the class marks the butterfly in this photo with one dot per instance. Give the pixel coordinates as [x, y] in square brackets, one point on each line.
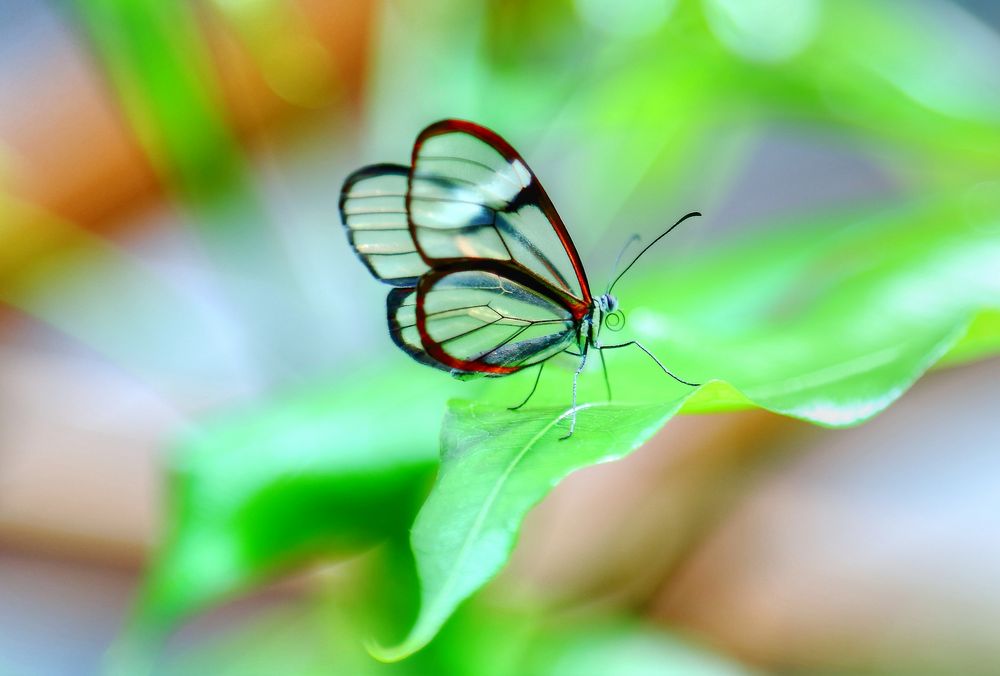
[487, 280]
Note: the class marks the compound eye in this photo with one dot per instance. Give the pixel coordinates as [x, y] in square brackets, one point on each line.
[615, 321]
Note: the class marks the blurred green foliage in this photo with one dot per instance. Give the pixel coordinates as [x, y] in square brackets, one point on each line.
[271, 487]
[322, 638]
[157, 60]
[829, 318]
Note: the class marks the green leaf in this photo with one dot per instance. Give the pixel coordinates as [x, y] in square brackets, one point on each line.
[323, 473]
[829, 322]
[981, 340]
[496, 465]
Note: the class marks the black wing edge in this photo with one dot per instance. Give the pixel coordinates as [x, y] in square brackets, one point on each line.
[364, 173]
[393, 302]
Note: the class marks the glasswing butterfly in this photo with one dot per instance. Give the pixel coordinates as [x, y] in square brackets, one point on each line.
[487, 279]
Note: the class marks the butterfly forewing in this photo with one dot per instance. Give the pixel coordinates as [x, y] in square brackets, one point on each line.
[471, 196]
[493, 321]
[373, 209]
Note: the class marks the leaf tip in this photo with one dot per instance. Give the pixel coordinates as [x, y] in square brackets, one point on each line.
[391, 654]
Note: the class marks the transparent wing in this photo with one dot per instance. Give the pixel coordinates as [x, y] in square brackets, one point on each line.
[492, 319]
[472, 196]
[401, 311]
[373, 210]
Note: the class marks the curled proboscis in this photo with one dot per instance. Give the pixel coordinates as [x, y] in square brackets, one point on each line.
[615, 321]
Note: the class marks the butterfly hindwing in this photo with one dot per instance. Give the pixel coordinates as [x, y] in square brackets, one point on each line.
[490, 318]
[401, 312]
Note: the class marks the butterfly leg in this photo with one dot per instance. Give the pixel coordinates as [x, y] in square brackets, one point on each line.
[533, 388]
[576, 378]
[651, 356]
[604, 367]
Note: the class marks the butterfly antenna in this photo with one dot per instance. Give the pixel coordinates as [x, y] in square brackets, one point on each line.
[647, 247]
[618, 260]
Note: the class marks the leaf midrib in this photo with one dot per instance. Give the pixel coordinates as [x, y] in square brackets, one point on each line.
[487, 505]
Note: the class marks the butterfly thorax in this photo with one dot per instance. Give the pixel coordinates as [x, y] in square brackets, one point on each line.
[590, 327]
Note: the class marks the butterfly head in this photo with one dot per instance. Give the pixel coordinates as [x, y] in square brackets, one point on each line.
[611, 316]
